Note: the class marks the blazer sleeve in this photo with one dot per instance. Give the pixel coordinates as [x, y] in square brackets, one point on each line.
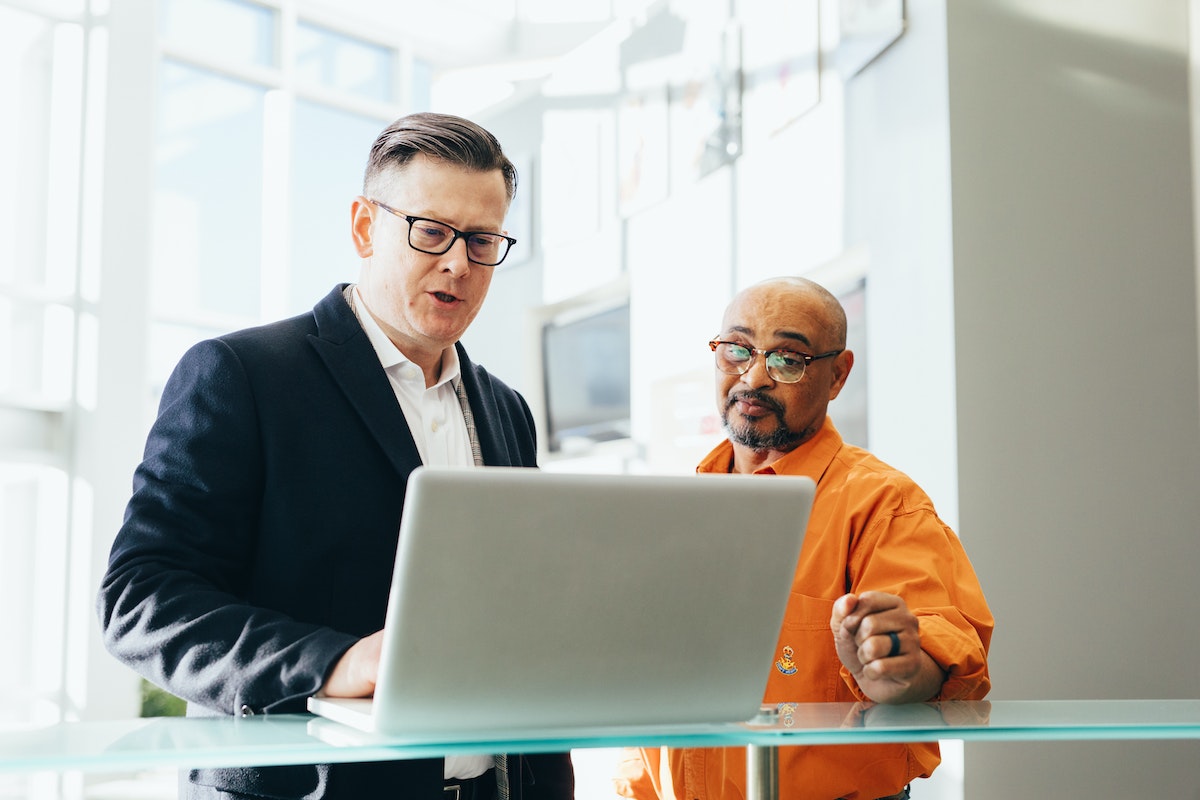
[171, 604]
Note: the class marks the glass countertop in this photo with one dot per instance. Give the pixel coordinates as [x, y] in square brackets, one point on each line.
[303, 739]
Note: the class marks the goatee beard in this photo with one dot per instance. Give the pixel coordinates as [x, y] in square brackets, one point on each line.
[780, 439]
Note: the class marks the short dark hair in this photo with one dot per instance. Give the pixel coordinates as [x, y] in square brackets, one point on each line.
[440, 136]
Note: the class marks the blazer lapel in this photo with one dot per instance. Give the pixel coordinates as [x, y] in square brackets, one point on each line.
[492, 441]
[354, 366]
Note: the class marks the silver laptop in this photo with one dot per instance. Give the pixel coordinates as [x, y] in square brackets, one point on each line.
[526, 601]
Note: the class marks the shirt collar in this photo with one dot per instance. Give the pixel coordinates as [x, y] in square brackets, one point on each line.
[809, 459]
[389, 355]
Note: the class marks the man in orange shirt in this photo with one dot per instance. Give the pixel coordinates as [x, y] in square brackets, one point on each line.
[885, 606]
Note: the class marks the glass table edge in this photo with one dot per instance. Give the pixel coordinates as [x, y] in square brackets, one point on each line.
[303, 739]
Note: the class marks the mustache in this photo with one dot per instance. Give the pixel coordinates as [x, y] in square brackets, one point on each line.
[757, 396]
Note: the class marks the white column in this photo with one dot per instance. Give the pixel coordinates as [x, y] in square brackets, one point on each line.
[111, 434]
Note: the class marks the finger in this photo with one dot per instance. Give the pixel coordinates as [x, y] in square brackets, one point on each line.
[874, 612]
[843, 608]
[881, 646]
[874, 602]
[879, 622]
[893, 644]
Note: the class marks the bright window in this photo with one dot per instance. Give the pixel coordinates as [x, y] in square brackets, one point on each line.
[254, 162]
[336, 61]
[328, 160]
[208, 195]
[41, 77]
[245, 32]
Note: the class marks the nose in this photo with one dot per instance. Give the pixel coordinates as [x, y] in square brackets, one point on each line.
[455, 260]
[757, 375]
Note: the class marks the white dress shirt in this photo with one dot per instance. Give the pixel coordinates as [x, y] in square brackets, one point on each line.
[436, 420]
[434, 414]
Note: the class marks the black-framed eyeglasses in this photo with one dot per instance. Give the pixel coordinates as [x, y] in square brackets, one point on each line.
[784, 366]
[435, 238]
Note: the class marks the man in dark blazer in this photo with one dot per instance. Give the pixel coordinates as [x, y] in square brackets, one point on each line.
[253, 566]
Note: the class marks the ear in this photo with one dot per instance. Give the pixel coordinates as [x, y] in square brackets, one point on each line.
[842, 364]
[362, 216]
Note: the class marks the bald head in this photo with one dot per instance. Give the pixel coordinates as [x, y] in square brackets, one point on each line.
[766, 415]
[794, 295]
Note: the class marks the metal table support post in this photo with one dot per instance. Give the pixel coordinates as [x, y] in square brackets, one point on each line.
[762, 772]
[762, 761]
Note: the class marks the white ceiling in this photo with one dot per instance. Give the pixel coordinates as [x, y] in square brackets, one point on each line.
[453, 34]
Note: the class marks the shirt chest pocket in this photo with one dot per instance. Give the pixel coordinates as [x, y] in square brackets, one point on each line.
[806, 665]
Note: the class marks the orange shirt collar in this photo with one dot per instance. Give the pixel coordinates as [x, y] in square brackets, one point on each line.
[810, 459]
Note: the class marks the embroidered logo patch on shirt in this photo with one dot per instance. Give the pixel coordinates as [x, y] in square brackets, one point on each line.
[785, 663]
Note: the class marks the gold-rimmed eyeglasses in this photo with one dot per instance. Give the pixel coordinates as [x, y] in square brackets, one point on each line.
[784, 366]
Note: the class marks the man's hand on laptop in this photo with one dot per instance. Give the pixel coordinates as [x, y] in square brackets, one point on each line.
[355, 673]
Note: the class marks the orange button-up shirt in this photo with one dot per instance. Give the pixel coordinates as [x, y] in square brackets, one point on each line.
[871, 528]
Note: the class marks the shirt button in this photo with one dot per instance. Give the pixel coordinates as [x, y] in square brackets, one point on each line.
[434, 426]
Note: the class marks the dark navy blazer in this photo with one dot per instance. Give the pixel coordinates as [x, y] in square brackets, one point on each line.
[259, 541]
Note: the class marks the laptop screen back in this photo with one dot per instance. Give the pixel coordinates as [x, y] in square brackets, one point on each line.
[524, 599]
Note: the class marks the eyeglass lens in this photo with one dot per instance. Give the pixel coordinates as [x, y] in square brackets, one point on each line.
[735, 359]
[434, 237]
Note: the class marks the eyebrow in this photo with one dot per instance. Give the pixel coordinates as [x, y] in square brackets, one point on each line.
[793, 335]
[426, 215]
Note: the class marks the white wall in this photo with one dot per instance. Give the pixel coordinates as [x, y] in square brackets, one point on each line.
[898, 208]
[1076, 333]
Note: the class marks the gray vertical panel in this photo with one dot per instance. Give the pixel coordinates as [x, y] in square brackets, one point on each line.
[1076, 334]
